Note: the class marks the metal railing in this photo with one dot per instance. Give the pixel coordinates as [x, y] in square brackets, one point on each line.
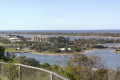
[24, 72]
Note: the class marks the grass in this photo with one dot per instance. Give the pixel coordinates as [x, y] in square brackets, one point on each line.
[12, 50]
[3, 78]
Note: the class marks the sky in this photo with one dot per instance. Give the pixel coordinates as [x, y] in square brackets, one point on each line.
[59, 14]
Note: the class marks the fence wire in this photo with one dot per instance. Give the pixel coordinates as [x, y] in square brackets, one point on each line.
[24, 72]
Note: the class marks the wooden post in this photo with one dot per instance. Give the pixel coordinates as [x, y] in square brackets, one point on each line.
[51, 76]
[19, 72]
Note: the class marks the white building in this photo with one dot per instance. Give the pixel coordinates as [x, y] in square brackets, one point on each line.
[38, 38]
[63, 49]
[14, 39]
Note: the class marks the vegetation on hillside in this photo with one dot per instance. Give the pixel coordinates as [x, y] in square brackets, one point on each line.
[55, 43]
[80, 67]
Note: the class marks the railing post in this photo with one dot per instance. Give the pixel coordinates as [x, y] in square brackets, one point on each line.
[51, 76]
[19, 72]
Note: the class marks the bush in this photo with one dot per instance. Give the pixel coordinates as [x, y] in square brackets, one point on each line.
[28, 61]
[45, 65]
[2, 51]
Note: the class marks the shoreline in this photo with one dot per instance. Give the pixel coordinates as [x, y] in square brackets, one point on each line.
[83, 52]
[89, 50]
[91, 36]
[85, 36]
[44, 53]
[52, 53]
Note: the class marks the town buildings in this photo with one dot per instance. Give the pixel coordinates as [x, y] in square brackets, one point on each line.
[37, 38]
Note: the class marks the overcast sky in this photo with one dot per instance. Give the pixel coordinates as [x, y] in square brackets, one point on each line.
[59, 14]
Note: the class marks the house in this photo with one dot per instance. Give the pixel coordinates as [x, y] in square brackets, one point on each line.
[14, 39]
[69, 49]
[64, 49]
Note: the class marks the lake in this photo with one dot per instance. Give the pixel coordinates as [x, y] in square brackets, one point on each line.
[51, 59]
[72, 38]
[108, 56]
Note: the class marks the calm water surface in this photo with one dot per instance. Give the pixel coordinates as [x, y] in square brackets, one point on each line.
[111, 44]
[108, 56]
[70, 37]
[51, 59]
[64, 31]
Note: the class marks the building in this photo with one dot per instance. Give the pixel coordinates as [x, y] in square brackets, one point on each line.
[14, 39]
[38, 38]
[65, 49]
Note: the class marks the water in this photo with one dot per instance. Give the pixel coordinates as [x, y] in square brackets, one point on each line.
[64, 31]
[82, 37]
[70, 37]
[51, 59]
[110, 58]
[112, 44]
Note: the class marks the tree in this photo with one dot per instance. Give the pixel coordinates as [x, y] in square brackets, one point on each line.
[28, 61]
[80, 67]
[2, 51]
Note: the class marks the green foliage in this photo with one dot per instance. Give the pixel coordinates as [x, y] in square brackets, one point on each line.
[46, 66]
[28, 61]
[2, 51]
[69, 73]
[98, 46]
[4, 40]
[12, 71]
[54, 43]
[9, 57]
[80, 68]
[101, 74]
[56, 50]
[77, 49]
